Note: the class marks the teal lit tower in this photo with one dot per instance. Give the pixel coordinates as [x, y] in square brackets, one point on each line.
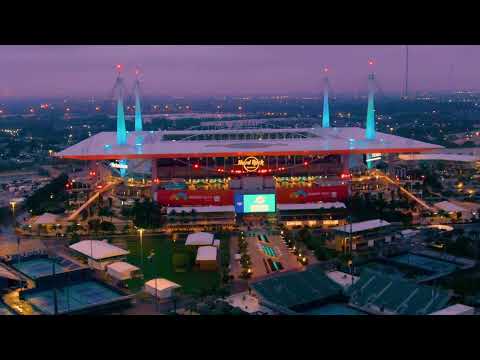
[138, 109]
[326, 110]
[119, 94]
[370, 128]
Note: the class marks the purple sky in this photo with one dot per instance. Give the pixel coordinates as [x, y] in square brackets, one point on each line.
[218, 70]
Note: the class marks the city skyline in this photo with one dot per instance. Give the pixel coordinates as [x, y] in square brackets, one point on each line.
[51, 71]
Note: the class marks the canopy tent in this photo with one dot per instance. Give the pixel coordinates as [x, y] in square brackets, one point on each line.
[121, 270]
[98, 250]
[207, 257]
[161, 288]
[199, 239]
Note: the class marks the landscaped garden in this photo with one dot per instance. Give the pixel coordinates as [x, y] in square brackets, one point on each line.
[172, 260]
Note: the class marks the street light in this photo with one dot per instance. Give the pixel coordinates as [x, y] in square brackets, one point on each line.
[150, 259]
[140, 231]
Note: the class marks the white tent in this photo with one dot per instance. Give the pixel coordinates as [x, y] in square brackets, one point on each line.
[207, 253]
[98, 250]
[121, 270]
[207, 257]
[199, 239]
[161, 288]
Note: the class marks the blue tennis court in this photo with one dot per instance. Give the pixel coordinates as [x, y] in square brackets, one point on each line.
[39, 267]
[425, 263]
[74, 297]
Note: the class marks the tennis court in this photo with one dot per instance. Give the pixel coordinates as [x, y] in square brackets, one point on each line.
[73, 297]
[269, 251]
[425, 263]
[39, 267]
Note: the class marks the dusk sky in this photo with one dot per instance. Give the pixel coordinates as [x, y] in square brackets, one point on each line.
[231, 70]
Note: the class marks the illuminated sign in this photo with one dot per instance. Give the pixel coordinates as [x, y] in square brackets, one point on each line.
[251, 163]
[259, 203]
[118, 166]
[374, 157]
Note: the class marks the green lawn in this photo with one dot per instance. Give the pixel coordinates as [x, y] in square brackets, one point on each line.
[162, 266]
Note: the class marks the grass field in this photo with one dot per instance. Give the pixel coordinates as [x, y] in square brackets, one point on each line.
[162, 267]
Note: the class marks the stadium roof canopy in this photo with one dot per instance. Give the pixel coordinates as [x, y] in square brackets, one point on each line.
[254, 142]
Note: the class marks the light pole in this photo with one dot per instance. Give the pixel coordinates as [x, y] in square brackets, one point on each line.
[140, 231]
[150, 259]
[12, 204]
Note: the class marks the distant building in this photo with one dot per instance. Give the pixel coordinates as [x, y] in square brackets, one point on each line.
[363, 235]
[456, 211]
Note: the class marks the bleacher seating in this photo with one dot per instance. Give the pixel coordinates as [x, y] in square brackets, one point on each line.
[297, 288]
[396, 296]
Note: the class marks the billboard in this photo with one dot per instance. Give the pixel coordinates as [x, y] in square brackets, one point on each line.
[255, 203]
[314, 194]
[194, 197]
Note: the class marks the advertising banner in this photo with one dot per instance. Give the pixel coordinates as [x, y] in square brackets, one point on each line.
[194, 197]
[314, 194]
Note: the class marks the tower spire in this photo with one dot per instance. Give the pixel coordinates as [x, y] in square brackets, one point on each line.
[119, 94]
[138, 109]
[326, 110]
[370, 128]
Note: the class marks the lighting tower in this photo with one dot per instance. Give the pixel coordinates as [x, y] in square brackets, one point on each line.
[119, 94]
[138, 110]
[326, 110]
[370, 129]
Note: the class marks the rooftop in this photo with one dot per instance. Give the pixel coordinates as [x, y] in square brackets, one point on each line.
[98, 250]
[206, 253]
[199, 239]
[121, 266]
[362, 226]
[161, 284]
[449, 207]
[45, 219]
[311, 141]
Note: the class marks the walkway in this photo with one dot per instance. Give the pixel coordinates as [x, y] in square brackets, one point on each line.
[405, 191]
[89, 202]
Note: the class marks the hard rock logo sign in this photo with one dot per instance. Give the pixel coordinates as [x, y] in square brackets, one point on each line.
[251, 163]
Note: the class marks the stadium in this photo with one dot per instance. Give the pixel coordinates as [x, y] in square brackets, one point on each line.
[250, 169]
